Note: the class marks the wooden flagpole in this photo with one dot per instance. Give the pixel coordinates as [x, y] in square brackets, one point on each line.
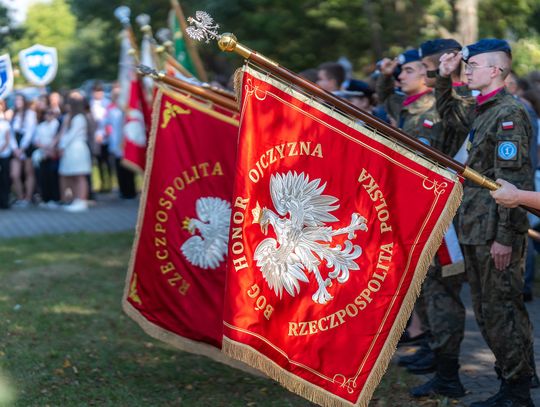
[146, 30]
[208, 93]
[123, 14]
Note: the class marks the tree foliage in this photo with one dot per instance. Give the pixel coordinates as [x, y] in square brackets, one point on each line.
[299, 34]
[53, 25]
[10, 33]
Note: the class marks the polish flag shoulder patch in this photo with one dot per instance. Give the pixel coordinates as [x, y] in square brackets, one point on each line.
[508, 125]
[428, 123]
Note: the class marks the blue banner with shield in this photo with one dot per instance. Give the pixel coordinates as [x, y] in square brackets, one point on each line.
[6, 76]
[39, 64]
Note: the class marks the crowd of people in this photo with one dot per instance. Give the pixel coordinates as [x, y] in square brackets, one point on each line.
[48, 148]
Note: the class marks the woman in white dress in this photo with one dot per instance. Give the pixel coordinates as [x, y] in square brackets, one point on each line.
[75, 158]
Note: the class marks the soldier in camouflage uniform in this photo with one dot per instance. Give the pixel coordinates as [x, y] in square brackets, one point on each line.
[439, 304]
[494, 237]
[414, 110]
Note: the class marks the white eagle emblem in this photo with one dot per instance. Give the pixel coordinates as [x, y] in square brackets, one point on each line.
[303, 241]
[134, 127]
[208, 250]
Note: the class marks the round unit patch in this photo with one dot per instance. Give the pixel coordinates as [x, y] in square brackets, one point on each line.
[507, 150]
[424, 140]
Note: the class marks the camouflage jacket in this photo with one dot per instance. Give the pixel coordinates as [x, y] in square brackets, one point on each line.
[498, 148]
[418, 119]
[455, 106]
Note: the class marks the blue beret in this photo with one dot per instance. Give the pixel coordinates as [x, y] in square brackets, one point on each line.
[360, 87]
[484, 46]
[411, 55]
[436, 46]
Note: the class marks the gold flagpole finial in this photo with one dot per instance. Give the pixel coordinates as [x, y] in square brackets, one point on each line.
[160, 50]
[144, 23]
[123, 13]
[164, 36]
[203, 28]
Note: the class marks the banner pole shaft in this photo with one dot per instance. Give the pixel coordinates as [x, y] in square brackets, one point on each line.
[207, 93]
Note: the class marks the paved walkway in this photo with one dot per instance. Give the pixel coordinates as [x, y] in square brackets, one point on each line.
[106, 214]
[111, 215]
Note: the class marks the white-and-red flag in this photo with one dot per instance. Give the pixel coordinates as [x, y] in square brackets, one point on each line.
[333, 228]
[136, 126]
[450, 250]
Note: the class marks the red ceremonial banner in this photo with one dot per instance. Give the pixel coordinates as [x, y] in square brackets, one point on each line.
[333, 228]
[136, 127]
[176, 280]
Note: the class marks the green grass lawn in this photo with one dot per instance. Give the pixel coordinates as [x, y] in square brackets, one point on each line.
[66, 342]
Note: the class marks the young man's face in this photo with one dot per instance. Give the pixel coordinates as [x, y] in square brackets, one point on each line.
[325, 82]
[429, 65]
[411, 78]
[479, 72]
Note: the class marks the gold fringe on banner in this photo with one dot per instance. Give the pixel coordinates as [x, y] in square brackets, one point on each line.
[430, 249]
[238, 75]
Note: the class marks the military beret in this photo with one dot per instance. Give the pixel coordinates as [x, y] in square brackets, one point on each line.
[436, 46]
[361, 88]
[408, 56]
[486, 45]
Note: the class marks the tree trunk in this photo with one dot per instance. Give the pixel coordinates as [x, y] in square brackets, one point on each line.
[467, 21]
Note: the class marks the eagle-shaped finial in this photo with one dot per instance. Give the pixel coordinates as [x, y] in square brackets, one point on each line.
[203, 27]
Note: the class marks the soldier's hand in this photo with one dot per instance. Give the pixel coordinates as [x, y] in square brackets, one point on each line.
[388, 66]
[501, 255]
[449, 63]
[506, 195]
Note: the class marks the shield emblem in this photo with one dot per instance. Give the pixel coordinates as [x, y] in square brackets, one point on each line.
[6, 76]
[39, 64]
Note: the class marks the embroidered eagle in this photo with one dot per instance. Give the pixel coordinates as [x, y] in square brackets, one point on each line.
[208, 249]
[303, 242]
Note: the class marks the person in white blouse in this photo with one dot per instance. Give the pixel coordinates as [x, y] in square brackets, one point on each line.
[23, 125]
[46, 157]
[5, 155]
[75, 157]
